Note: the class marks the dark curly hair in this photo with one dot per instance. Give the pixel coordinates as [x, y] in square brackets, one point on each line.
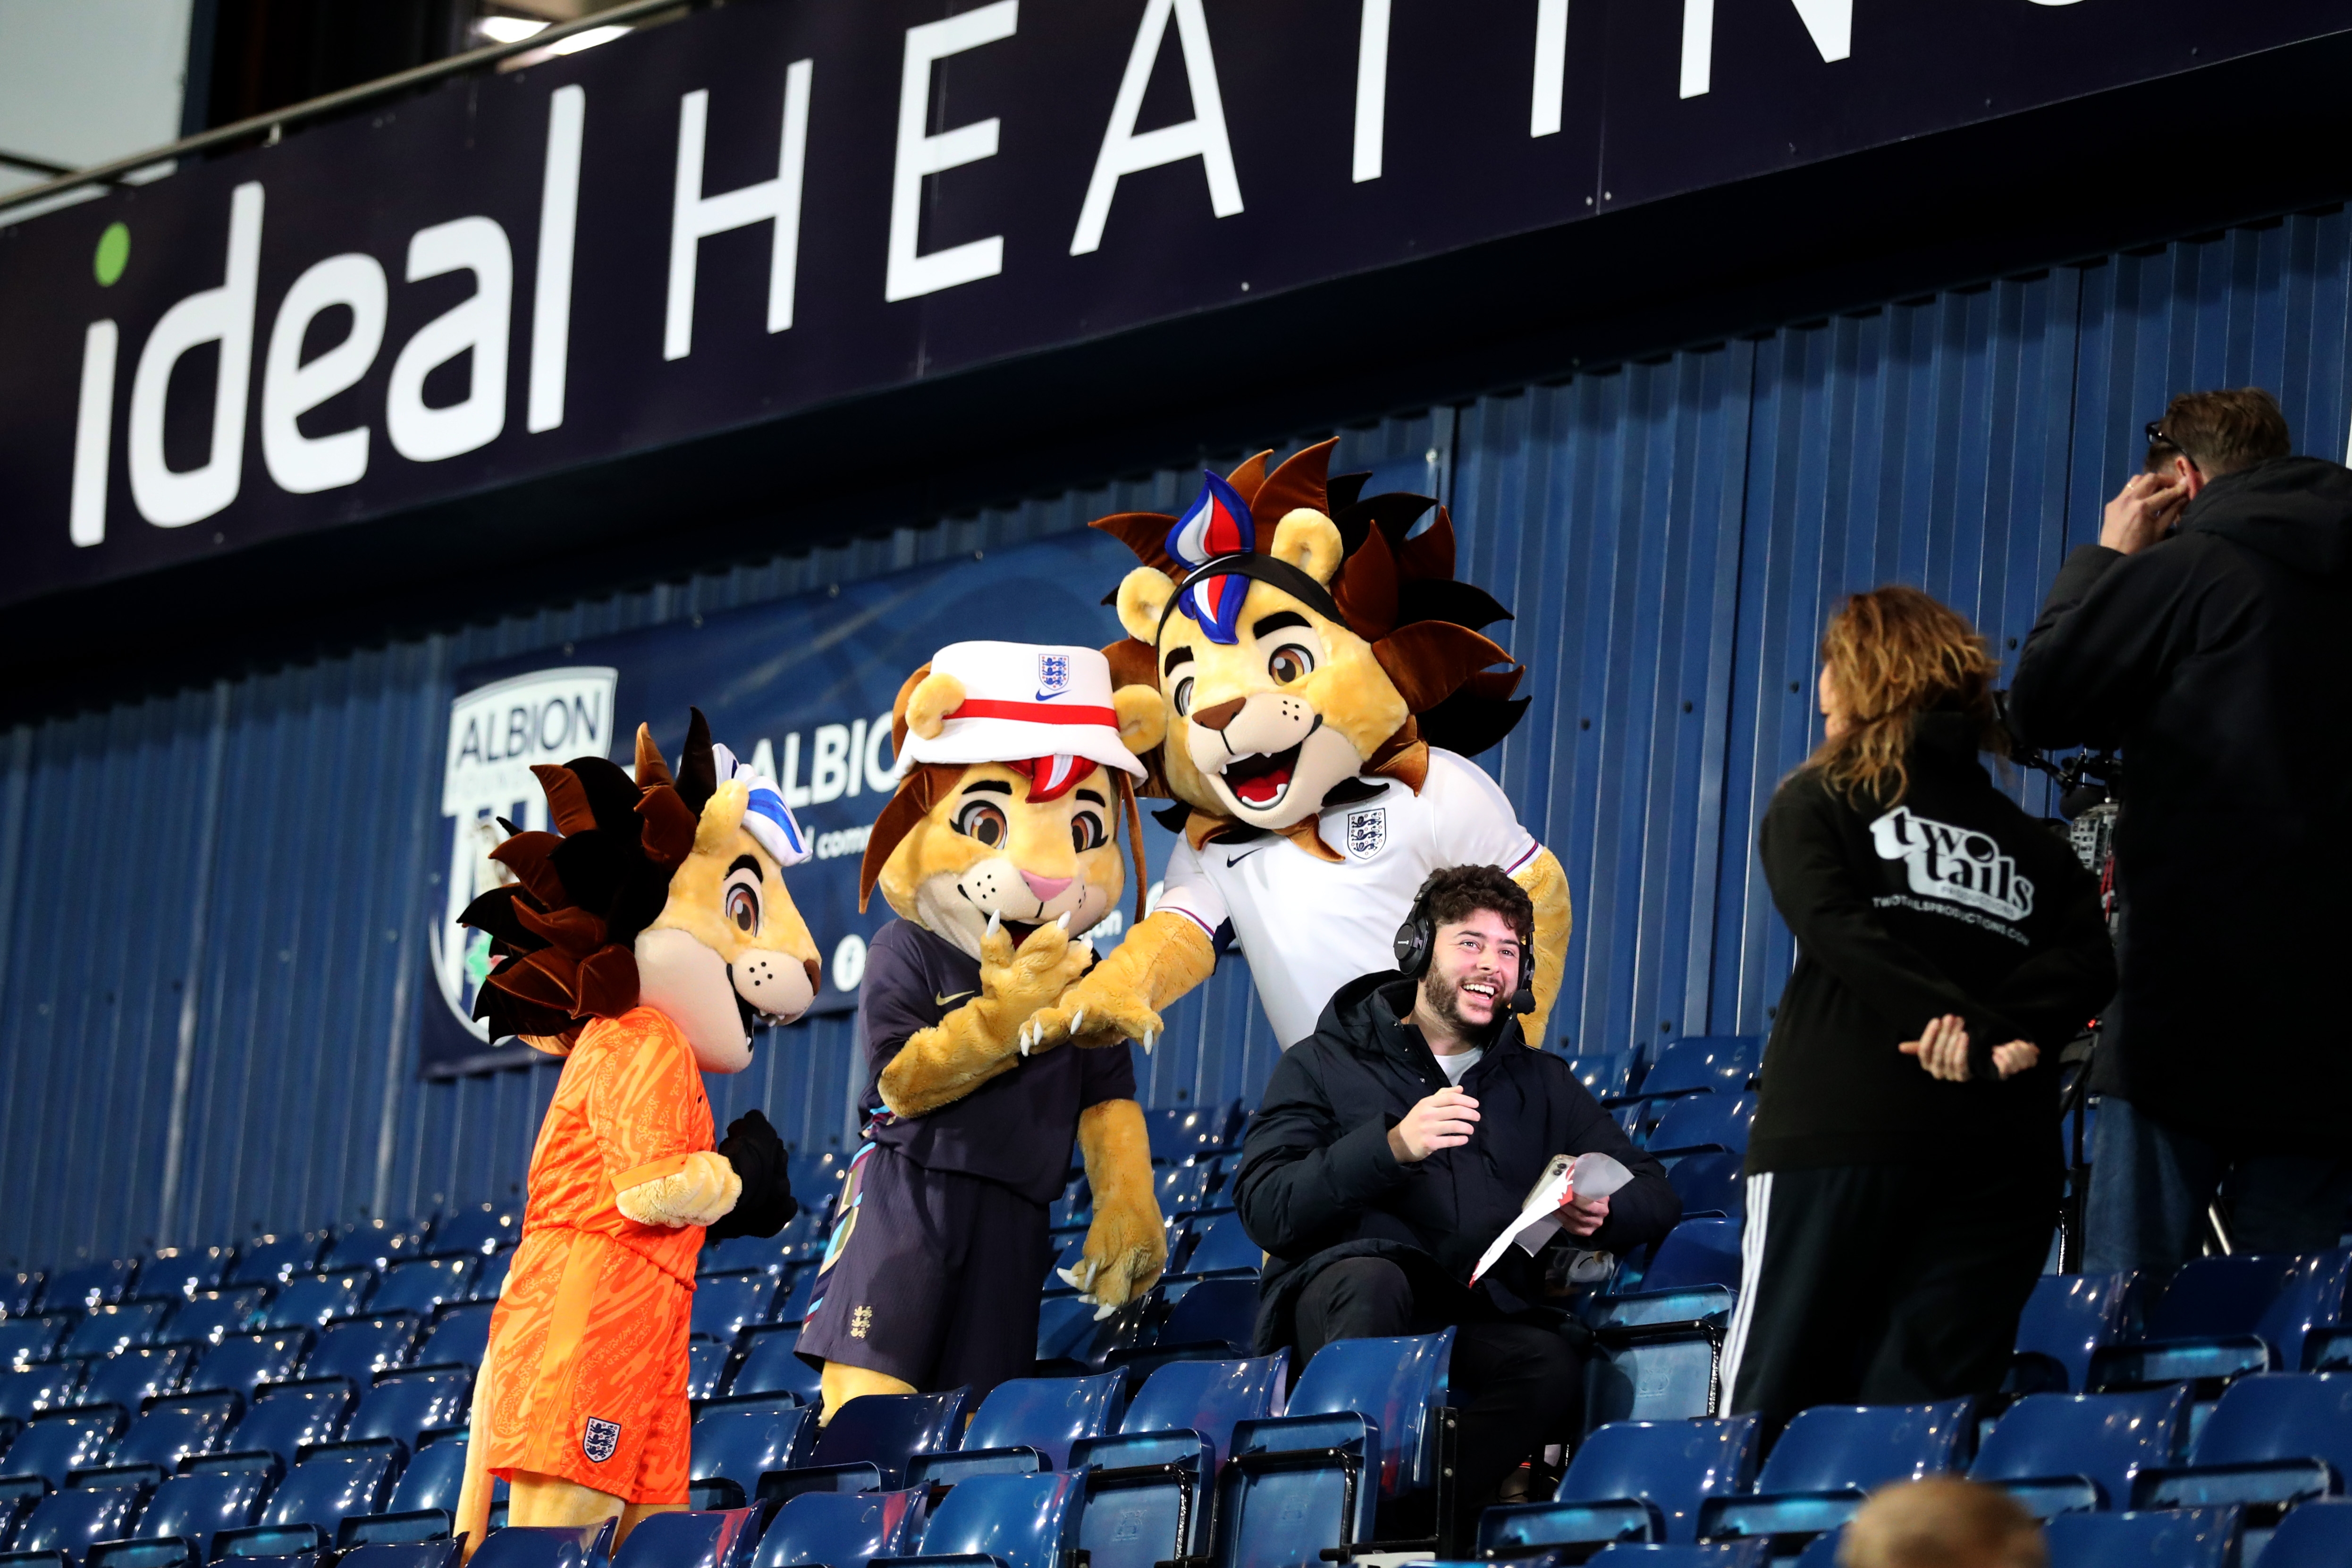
[1452, 894]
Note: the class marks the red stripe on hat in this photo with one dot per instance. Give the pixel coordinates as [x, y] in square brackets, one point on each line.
[1034, 712]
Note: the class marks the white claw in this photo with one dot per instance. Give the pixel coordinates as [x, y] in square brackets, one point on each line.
[1077, 1020]
[1024, 1038]
[1150, 1037]
[1063, 925]
[1105, 1310]
[995, 921]
[1070, 1276]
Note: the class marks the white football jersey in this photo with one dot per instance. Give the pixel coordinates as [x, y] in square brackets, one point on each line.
[1309, 926]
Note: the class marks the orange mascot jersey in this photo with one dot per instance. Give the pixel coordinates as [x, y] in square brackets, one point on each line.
[589, 1342]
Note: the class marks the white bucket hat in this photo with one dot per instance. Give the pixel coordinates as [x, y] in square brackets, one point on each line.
[1025, 702]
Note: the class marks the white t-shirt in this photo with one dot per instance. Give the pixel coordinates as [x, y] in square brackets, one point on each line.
[1309, 926]
[1457, 1066]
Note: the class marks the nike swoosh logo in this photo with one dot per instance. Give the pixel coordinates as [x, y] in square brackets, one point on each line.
[951, 1001]
[1049, 695]
[1233, 860]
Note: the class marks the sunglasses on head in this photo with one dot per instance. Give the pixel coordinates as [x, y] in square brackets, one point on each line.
[2156, 437]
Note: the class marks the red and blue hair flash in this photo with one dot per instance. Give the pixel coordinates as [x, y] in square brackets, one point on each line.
[1217, 523]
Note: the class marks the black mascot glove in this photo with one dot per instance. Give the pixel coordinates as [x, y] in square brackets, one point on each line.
[759, 1157]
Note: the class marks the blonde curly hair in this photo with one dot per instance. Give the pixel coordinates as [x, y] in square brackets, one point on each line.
[1893, 654]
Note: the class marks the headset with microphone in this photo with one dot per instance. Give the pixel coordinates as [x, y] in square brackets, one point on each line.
[1418, 936]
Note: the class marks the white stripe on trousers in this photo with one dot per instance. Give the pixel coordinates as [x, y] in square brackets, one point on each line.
[1751, 1271]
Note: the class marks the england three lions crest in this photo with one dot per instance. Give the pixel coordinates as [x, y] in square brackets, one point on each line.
[1367, 832]
[599, 1441]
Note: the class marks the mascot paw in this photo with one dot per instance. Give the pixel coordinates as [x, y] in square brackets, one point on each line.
[1112, 1282]
[704, 1189]
[1020, 981]
[1097, 1012]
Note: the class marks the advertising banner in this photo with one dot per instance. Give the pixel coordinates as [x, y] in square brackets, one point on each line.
[801, 688]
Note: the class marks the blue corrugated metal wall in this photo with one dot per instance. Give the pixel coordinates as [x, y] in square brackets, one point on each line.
[209, 900]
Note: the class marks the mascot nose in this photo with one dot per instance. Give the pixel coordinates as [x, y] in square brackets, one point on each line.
[1220, 715]
[1047, 888]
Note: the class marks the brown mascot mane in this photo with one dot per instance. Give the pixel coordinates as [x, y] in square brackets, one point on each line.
[1395, 588]
[564, 933]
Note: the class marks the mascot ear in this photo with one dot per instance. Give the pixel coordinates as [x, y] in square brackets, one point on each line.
[931, 702]
[1143, 596]
[1311, 542]
[721, 815]
[1142, 716]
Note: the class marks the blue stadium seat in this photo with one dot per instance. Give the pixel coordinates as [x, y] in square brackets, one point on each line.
[133, 1377]
[2313, 1535]
[1704, 1121]
[89, 1286]
[285, 1421]
[2184, 1537]
[314, 1301]
[866, 1445]
[274, 1259]
[739, 1446]
[544, 1547]
[1710, 1184]
[242, 1362]
[433, 1478]
[2275, 1438]
[2225, 1317]
[111, 1329]
[1700, 1063]
[478, 1229]
[706, 1367]
[1076, 1206]
[1211, 1320]
[185, 1271]
[404, 1404]
[73, 1521]
[1220, 1249]
[725, 1304]
[717, 1538]
[2067, 1320]
[376, 1244]
[1072, 1247]
[1715, 1554]
[359, 1348]
[422, 1285]
[1658, 1346]
[27, 1391]
[1010, 1522]
[1829, 1456]
[1823, 1551]
[1361, 1426]
[1607, 1076]
[492, 1276]
[745, 1255]
[171, 1430]
[1147, 1488]
[54, 1446]
[1178, 1135]
[23, 1340]
[1631, 1480]
[459, 1336]
[2059, 1452]
[1026, 1424]
[209, 1315]
[1184, 1189]
[799, 1293]
[315, 1496]
[192, 1509]
[1071, 1341]
[771, 1367]
[367, 1551]
[20, 1292]
[841, 1529]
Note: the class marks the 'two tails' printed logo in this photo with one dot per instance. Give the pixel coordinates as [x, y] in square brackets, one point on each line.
[1958, 865]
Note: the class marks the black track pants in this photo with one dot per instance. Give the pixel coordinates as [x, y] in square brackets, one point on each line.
[1882, 1284]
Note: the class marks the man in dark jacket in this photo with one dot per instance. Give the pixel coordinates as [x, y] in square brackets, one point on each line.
[2220, 658]
[1397, 1143]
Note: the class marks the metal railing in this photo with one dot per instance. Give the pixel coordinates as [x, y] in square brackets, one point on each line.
[274, 123]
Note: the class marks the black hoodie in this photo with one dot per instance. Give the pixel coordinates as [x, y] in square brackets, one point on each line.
[1318, 1181]
[1951, 901]
[2220, 661]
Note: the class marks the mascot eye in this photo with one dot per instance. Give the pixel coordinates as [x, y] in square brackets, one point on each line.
[743, 906]
[981, 821]
[1184, 696]
[1087, 832]
[1290, 662]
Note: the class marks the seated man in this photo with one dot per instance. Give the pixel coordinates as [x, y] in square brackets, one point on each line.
[1395, 1144]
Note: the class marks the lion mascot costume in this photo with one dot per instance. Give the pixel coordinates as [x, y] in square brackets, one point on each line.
[1324, 683]
[643, 940]
[999, 851]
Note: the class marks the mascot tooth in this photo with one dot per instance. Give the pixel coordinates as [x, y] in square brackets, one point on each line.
[643, 940]
[999, 850]
[1324, 683]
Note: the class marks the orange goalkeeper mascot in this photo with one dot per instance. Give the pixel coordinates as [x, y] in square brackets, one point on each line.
[642, 940]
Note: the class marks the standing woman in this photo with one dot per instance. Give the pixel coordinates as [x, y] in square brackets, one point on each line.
[1904, 1170]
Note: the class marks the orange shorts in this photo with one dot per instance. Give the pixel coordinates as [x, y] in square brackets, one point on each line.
[588, 1365]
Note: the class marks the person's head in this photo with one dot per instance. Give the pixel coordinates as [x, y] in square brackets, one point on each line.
[1481, 923]
[1889, 656]
[1942, 1522]
[2217, 433]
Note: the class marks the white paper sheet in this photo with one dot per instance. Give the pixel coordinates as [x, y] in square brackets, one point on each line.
[1592, 1175]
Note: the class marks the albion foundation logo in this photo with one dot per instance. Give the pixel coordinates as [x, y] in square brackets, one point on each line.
[1958, 865]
